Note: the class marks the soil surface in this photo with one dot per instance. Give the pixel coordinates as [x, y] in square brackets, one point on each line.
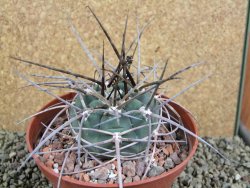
[166, 156]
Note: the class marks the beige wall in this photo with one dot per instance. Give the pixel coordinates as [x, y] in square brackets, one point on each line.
[186, 31]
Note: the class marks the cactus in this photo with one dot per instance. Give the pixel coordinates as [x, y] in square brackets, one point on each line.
[118, 115]
[101, 120]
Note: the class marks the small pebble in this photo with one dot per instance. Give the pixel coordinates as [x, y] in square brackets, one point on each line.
[140, 167]
[155, 171]
[86, 177]
[175, 158]
[55, 165]
[237, 177]
[168, 163]
[136, 178]
[128, 168]
[12, 154]
[100, 173]
[112, 175]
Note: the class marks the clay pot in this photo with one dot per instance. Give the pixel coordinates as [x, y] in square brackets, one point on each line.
[162, 181]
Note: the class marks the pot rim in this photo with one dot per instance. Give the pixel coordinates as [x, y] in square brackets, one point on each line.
[141, 182]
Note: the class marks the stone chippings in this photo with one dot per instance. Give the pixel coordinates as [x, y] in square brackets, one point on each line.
[206, 169]
[12, 152]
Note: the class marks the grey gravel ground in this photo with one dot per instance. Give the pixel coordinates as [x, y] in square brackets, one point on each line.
[206, 169]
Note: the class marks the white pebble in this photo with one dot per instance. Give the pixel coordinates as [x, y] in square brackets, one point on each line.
[237, 177]
[112, 175]
[12, 154]
[112, 166]
[55, 165]
[56, 170]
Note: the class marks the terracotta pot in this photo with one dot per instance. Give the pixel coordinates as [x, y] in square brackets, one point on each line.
[162, 181]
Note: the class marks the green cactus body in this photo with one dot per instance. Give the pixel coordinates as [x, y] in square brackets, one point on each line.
[96, 120]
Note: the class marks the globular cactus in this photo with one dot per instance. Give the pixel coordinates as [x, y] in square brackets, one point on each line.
[111, 122]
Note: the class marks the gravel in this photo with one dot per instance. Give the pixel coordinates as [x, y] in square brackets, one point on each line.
[12, 152]
[205, 170]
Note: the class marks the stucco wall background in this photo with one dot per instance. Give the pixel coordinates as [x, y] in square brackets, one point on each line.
[184, 31]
